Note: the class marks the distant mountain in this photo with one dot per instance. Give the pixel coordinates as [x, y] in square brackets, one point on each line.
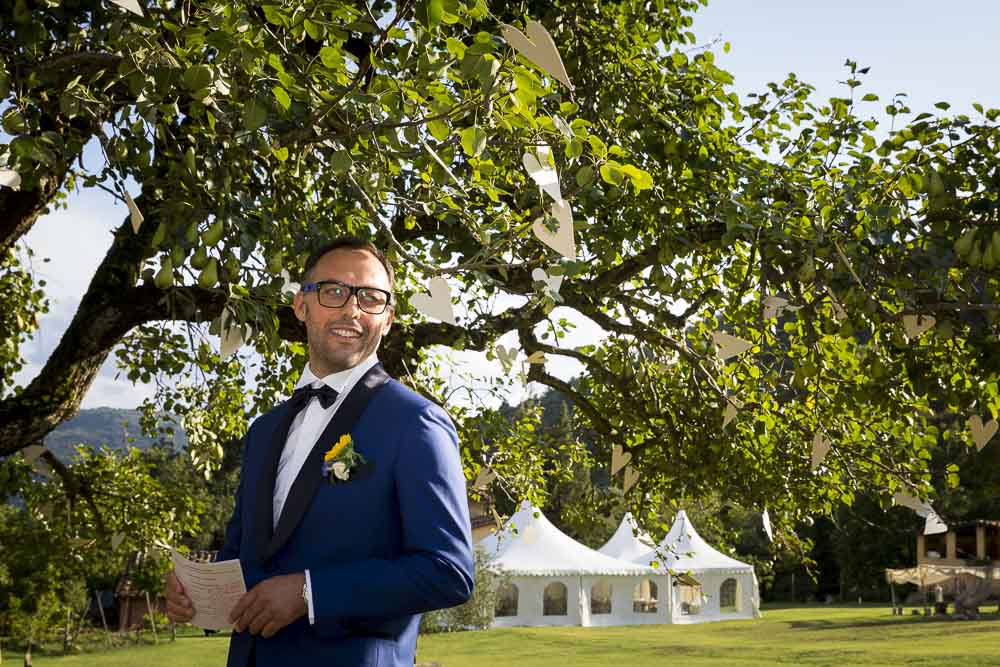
[109, 427]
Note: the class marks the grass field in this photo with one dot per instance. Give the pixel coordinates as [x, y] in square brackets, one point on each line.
[788, 636]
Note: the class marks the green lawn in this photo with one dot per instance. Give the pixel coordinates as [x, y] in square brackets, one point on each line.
[791, 636]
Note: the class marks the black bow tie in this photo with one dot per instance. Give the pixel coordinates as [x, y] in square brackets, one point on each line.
[326, 395]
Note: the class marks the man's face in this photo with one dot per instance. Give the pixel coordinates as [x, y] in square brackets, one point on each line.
[340, 338]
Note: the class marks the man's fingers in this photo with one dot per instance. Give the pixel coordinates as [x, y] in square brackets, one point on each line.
[179, 613]
[245, 601]
[270, 629]
[261, 618]
[174, 583]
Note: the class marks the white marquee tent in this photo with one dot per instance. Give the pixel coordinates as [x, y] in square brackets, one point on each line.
[555, 580]
[727, 587]
[628, 542]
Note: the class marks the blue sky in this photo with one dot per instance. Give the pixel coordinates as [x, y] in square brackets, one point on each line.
[931, 50]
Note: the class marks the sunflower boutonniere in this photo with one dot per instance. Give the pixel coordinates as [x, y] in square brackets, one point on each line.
[341, 460]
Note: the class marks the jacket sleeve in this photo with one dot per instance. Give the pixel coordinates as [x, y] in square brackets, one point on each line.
[435, 567]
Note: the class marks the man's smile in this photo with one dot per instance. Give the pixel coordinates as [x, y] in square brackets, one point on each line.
[345, 332]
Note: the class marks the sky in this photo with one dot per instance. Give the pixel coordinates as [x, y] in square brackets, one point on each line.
[933, 51]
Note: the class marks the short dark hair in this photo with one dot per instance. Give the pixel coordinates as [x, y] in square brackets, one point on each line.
[349, 243]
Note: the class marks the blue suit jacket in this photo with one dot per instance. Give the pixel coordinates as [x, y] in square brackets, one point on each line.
[381, 548]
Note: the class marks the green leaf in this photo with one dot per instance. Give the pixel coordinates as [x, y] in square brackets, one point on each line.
[612, 172]
[473, 140]
[197, 77]
[254, 114]
[439, 129]
[280, 153]
[341, 161]
[585, 176]
[281, 95]
[641, 179]
[331, 57]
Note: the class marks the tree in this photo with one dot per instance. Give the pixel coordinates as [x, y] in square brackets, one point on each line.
[251, 132]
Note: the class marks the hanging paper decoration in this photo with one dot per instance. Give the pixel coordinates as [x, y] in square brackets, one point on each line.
[129, 5]
[542, 172]
[552, 283]
[10, 179]
[916, 325]
[982, 433]
[562, 240]
[436, 303]
[820, 448]
[538, 47]
[728, 345]
[619, 459]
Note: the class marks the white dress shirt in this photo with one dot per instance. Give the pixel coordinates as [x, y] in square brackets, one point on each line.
[305, 431]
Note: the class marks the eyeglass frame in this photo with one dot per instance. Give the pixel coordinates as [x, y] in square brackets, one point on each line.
[353, 292]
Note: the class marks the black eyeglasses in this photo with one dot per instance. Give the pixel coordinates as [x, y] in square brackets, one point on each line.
[332, 294]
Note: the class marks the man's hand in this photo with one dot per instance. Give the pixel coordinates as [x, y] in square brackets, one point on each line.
[179, 607]
[270, 605]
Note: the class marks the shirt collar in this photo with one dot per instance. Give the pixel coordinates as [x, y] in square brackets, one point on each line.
[341, 380]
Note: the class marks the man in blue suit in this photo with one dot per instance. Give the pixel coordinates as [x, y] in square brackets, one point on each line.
[351, 516]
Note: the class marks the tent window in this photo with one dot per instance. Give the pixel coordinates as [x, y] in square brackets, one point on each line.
[729, 600]
[690, 599]
[600, 598]
[554, 599]
[644, 597]
[506, 604]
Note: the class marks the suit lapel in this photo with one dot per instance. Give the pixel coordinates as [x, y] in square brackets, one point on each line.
[263, 515]
[309, 477]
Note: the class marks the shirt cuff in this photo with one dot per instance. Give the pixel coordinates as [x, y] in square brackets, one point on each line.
[309, 599]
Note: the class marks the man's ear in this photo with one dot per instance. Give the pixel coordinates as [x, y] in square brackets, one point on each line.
[299, 306]
[388, 322]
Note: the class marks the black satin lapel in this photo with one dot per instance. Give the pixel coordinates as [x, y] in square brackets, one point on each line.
[309, 477]
[263, 515]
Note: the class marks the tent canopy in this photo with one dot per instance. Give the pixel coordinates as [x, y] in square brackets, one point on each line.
[529, 545]
[628, 542]
[683, 549]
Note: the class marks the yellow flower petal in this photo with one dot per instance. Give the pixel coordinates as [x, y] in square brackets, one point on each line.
[345, 440]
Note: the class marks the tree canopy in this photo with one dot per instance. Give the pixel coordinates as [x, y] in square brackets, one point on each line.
[245, 134]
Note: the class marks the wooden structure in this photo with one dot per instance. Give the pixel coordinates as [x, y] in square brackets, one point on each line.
[965, 557]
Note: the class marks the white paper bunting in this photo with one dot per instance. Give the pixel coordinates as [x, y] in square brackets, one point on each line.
[540, 169]
[129, 5]
[135, 215]
[982, 433]
[916, 325]
[506, 356]
[485, 478]
[820, 448]
[733, 407]
[729, 346]
[562, 239]
[775, 306]
[230, 333]
[436, 303]
[288, 286]
[10, 179]
[630, 478]
[536, 357]
[766, 520]
[552, 283]
[619, 459]
[538, 47]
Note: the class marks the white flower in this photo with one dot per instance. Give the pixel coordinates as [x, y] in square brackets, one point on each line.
[341, 471]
